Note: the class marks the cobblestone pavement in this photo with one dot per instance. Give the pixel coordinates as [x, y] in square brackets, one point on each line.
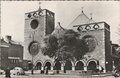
[59, 76]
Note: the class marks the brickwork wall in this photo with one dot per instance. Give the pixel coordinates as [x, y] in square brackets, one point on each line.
[30, 33]
[15, 51]
[108, 50]
[4, 57]
[45, 27]
[99, 51]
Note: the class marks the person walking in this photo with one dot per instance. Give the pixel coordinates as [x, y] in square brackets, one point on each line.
[7, 73]
[46, 70]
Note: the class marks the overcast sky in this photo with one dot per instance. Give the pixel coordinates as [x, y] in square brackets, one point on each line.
[12, 14]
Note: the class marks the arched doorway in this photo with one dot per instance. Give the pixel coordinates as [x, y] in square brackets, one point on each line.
[48, 64]
[38, 66]
[57, 66]
[68, 65]
[92, 65]
[79, 66]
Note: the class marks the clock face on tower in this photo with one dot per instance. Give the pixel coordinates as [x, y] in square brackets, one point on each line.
[34, 24]
[90, 42]
[34, 48]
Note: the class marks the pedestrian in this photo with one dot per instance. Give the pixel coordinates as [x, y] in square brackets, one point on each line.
[64, 70]
[100, 69]
[42, 71]
[46, 70]
[7, 73]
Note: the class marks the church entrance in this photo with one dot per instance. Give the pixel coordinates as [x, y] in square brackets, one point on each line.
[92, 65]
[57, 66]
[48, 64]
[68, 65]
[38, 66]
[79, 66]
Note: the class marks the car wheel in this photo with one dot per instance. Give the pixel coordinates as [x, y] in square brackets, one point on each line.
[18, 73]
[23, 73]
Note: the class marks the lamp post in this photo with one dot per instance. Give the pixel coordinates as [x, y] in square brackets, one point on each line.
[32, 66]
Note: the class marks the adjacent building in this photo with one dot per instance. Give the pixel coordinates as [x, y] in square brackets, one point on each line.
[11, 53]
[4, 47]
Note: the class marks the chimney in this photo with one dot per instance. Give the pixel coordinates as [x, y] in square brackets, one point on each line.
[8, 38]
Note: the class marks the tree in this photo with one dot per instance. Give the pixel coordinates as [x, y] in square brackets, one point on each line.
[66, 47]
[51, 46]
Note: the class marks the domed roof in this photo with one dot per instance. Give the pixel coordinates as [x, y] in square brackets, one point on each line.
[80, 19]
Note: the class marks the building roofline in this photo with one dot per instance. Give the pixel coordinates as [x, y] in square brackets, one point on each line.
[4, 45]
[90, 23]
[38, 10]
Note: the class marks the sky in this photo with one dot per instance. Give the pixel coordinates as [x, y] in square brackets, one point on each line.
[13, 14]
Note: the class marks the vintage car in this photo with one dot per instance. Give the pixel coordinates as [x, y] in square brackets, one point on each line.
[17, 71]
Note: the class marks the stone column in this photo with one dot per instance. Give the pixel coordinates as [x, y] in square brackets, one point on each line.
[73, 68]
[42, 67]
[62, 67]
[85, 68]
[51, 67]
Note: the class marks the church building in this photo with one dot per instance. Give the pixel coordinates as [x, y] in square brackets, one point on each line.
[40, 23]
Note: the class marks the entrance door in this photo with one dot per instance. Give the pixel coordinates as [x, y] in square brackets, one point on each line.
[68, 65]
[92, 65]
[38, 66]
[79, 66]
[48, 64]
[57, 66]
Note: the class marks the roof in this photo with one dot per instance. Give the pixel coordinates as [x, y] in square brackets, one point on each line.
[3, 43]
[59, 31]
[13, 42]
[80, 19]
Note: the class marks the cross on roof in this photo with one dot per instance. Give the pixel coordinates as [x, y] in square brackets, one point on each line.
[91, 15]
[82, 9]
[39, 5]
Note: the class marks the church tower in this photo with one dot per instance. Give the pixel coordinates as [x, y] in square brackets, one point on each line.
[38, 24]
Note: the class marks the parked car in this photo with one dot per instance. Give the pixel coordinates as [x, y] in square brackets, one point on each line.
[17, 71]
[2, 71]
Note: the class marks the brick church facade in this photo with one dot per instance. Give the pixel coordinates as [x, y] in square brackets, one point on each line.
[40, 23]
